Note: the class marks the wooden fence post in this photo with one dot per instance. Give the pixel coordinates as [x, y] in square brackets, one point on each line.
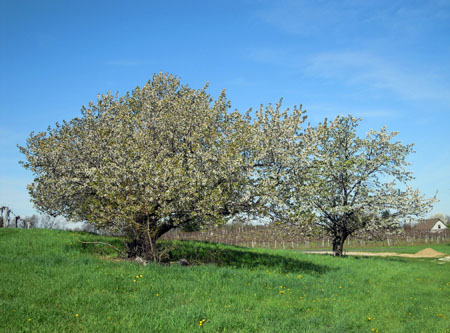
[6, 221]
[2, 220]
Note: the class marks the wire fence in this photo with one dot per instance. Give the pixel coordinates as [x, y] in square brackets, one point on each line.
[272, 237]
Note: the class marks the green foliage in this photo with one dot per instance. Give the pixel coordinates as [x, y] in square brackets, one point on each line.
[161, 157]
[353, 183]
[48, 279]
[168, 156]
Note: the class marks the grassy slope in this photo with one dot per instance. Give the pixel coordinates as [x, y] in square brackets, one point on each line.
[49, 282]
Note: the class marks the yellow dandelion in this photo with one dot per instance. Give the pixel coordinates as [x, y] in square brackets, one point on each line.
[137, 276]
[134, 280]
[281, 291]
[76, 314]
[29, 319]
[340, 287]
[140, 275]
[157, 294]
[299, 276]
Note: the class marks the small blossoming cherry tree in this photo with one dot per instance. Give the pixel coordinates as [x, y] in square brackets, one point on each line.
[351, 183]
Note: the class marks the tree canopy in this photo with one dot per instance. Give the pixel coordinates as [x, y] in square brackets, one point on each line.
[167, 156]
[162, 157]
[355, 183]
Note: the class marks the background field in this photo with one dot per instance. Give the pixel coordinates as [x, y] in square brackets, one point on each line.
[284, 238]
[52, 282]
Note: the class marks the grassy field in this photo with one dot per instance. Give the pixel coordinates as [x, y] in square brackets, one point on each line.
[51, 282]
[441, 247]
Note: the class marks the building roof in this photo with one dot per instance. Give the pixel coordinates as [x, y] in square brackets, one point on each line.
[427, 224]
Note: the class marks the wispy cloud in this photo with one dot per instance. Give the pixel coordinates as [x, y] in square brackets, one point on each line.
[367, 71]
[360, 68]
[302, 17]
[305, 18]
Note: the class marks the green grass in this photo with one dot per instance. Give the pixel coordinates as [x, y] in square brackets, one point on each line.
[51, 282]
[441, 247]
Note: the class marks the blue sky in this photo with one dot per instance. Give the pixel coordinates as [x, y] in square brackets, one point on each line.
[385, 61]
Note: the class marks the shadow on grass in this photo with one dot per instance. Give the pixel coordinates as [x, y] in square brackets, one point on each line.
[197, 252]
[225, 255]
[97, 245]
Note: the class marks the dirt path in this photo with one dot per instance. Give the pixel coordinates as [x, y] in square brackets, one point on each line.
[425, 253]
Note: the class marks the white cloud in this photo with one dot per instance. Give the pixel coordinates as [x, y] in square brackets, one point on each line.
[367, 71]
[298, 17]
[361, 68]
[339, 18]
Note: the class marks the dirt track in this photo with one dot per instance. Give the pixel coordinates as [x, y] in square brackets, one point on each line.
[425, 253]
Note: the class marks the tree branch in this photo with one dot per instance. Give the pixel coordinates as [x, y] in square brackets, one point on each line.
[103, 243]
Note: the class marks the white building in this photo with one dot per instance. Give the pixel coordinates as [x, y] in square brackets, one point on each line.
[432, 225]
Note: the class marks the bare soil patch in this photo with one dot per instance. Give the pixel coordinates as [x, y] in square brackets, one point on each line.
[425, 253]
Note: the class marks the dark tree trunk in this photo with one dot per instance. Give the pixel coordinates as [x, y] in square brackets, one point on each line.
[338, 243]
[143, 239]
[144, 247]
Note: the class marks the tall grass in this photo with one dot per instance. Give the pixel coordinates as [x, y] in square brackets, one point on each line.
[52, 282]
